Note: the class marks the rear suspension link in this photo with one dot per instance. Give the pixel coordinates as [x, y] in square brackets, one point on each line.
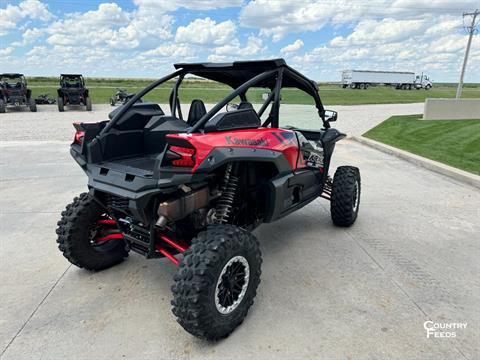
[180, 247]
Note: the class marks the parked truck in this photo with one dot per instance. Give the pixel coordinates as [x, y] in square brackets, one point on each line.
[362, 79]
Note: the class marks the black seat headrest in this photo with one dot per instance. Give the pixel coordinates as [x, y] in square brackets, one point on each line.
[233, 120]
[197, 110]
[245, 105]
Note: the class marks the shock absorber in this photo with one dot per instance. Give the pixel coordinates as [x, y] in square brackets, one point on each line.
[225, 203]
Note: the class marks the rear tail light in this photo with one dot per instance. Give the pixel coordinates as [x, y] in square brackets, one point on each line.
[78, 139]
[182, 156]
[79, 133]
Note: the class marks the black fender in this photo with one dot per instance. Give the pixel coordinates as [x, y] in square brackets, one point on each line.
[328, 138]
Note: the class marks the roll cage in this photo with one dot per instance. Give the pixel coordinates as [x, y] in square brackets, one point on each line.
[240, 76]
[18, 79]
[67, 80]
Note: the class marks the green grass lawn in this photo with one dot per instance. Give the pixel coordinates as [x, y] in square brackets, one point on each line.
[210, 92]
[452, 142]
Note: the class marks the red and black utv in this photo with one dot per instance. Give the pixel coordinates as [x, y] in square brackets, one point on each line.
[14, 92]
[191, 189]
[72, 91]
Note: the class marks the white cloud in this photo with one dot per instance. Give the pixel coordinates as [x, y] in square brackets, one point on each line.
[172, 5]
[206, 32]
[437, 45]
[417, 35]
[169, 50]
[383, 31]
[27, 9]
[278, 18]
[6, 51]
[95, 27]
[29, 36]
[295, 46]
[234, 50]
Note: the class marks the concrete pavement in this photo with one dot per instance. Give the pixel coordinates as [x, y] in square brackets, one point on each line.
[357, 293]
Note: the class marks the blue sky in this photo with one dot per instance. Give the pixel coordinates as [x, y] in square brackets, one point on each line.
[142, 38]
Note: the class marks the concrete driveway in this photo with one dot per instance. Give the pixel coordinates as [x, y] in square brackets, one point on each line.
[326, 293]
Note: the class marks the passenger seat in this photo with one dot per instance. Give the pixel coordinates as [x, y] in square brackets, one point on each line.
[197, 110]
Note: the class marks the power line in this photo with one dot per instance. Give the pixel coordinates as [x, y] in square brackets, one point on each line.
[471, 30]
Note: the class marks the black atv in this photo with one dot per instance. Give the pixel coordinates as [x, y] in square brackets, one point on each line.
[191, 189]
[14, 92]
[72, 91]
[122, 97]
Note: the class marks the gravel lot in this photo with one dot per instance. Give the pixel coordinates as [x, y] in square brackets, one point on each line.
[326, 293]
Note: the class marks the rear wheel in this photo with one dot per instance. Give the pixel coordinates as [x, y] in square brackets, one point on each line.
[32, 105]
[217, 281]
[353, 85]
[88, 103]
[345, 198]
[362, 86]
[2, 106]
[87, 237]
[60, 104]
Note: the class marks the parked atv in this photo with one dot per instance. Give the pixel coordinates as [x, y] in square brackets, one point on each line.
[43, 99]
[72, 91]
[122, 97]
[192, 189]
[14, 92]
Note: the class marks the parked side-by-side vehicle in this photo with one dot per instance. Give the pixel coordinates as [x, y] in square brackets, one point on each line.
[14, 92]
[191, 187]
[72, 91]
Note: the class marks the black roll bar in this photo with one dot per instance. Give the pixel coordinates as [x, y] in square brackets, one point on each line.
[242, 88]
[134, 99]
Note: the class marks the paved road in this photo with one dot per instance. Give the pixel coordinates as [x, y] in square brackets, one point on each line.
[358, 293]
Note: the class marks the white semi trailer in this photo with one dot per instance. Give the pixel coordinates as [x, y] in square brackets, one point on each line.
[362, 79]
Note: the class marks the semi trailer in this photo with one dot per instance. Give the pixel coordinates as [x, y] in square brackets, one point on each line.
[362, 79]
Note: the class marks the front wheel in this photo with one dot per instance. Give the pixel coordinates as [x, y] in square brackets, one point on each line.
[217, 281]
[88, 103]
[88, 237]
[61, 106]
[345, 198]
[32, 105]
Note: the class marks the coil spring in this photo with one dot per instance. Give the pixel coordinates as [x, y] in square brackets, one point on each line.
[225, 203]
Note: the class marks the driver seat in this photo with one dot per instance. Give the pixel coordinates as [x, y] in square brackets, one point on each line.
[197, 110]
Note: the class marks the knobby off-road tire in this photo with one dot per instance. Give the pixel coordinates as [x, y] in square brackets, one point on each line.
[199, 289]
[75, 236]
[61, 106]
[345, 199]
[88, 104]
[32, 105]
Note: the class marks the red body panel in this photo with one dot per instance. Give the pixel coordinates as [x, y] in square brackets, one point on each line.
[280, 140]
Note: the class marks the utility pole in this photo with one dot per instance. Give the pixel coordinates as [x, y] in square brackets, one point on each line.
[471, 30]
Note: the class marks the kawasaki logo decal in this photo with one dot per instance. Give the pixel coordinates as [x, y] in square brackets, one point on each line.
[249, 142]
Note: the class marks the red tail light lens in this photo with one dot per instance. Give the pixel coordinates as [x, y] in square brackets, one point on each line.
[78, 139]
[187, 156]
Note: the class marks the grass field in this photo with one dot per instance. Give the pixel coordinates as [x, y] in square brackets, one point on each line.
[452, 142]
[210, 92]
